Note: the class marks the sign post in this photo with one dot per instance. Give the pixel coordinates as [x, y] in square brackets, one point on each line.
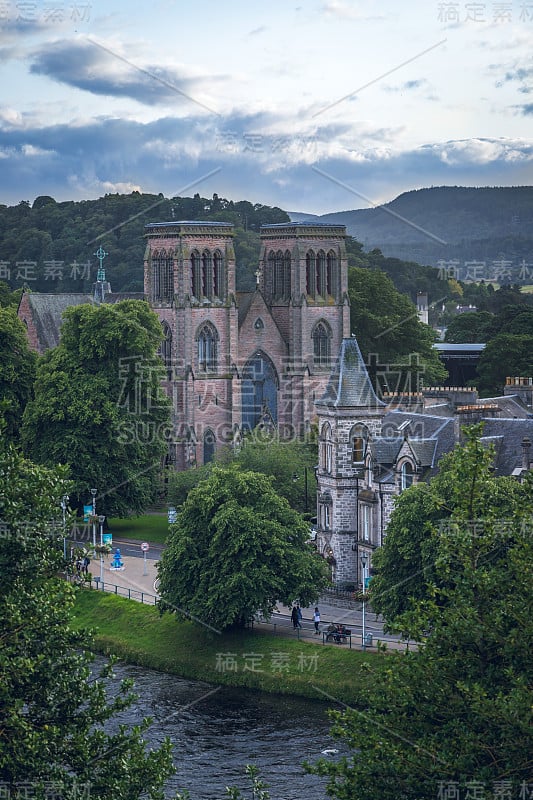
[145, 547]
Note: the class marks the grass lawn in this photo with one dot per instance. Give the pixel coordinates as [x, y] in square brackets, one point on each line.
[251, 658]
[149, 528]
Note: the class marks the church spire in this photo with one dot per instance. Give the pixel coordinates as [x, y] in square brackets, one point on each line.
[349, 385]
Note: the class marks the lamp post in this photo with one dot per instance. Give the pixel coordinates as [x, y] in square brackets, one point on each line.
[364, 561]
[94, 493]
[64, 501]
[101, 520]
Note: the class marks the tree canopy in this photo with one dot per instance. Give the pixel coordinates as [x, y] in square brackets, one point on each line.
[454, 714]
[236, 549]
[55, 709]
[17, 371]
[100, 408]
[392, 339]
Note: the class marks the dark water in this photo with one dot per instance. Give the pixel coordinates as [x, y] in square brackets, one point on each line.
[215, 735]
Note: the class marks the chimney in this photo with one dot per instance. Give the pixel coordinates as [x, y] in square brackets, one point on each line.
[526, 445]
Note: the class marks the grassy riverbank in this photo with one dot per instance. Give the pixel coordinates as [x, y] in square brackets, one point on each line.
[255, 659]
[148, 528]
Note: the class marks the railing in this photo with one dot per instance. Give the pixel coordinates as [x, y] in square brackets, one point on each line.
[114, 588]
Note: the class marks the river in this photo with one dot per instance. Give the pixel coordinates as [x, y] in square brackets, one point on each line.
[216, 732]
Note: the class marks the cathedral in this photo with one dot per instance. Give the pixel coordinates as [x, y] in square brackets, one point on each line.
[238, 360]
[280, 358]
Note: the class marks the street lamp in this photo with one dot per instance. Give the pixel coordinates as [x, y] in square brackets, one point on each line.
[101, 520]
[364, 561]
[94, 493]
[64, 501]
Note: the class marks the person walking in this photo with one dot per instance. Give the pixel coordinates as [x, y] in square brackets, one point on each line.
[300, 615]
[316, 619]
[294, 617]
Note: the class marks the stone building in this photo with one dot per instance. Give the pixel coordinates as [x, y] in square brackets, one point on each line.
[236, 360]
[369, 452]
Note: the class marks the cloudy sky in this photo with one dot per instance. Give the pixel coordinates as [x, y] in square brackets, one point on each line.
[319, 106]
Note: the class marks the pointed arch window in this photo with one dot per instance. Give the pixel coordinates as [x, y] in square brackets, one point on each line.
[207, 275]
[331, 274]
[278, 276]
[310, 274]
[196, 274]
[320, 271]
[165, 349]
[207, 348]
[322, 344]
[162, 276]
[209, 445]
[218, 274]
[326, 449]
[286, 289]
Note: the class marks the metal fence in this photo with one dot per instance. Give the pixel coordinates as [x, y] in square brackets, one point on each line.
[114, 588]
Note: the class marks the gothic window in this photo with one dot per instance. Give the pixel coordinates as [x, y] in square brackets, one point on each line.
[207, 275]
[310, 274]
[259, 324]
[286, 292]
[209, 446]
[327, 449]
[359, 443]
[196, 274]
[218, 274]
[331, 274]
[165, 349]
[322, 344]
[162, 276]
[207, 348]
[320, 271]
[278, 275]
[406, 475]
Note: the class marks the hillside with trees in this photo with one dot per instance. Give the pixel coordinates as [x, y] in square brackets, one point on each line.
[449, 223]
[50, 246]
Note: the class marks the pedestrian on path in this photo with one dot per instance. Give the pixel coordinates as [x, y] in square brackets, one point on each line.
[299, 610]
[316, 619]
[294, 617]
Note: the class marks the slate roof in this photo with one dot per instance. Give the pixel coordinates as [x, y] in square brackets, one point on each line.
[47, 310]
[511, 406]
[349, 385]
[117, 297]
[510, 433]
[385, 450]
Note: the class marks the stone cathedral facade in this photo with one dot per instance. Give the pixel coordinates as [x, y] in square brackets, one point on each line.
[236, 360]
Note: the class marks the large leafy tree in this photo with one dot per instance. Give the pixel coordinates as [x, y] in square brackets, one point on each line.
[505, 354]
[454, 715]
[406, 566]
[57, 728]
[17, 370]
[397, 346]
[236, 549]
[100, 408]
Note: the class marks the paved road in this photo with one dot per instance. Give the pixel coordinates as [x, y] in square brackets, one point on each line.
[133, 581]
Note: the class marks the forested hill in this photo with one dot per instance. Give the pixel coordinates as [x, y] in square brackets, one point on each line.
[50, 246]
[476, 224]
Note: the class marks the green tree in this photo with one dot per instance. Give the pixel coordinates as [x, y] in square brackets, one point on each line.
[405, 567]
[17, 370]
[100, 408]
[57, 725]
[456, 711]
[386, 325]
[286, 462]
[505, 354]
[236, 549]
[469, 327]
